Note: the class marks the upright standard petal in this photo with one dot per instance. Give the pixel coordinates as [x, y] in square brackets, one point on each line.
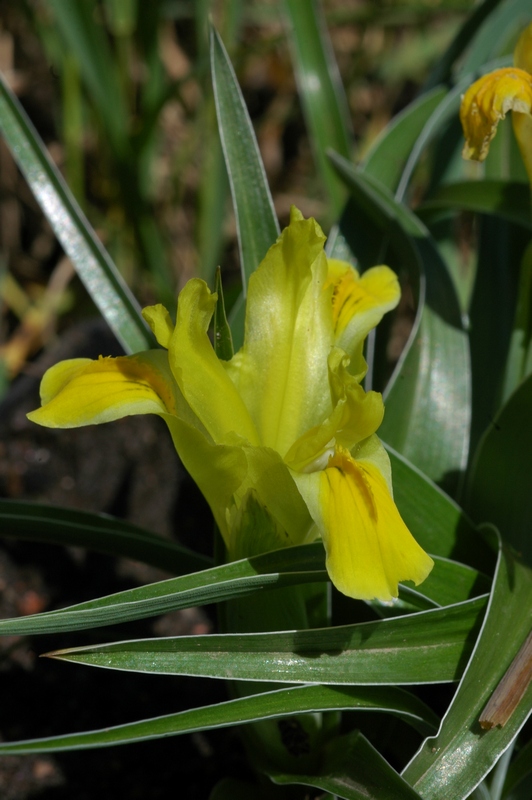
[281, 371]
[369, 548]
[85, 392]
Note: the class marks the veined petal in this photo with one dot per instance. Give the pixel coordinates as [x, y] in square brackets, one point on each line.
[84, 392]
[369, 548]
[281, 371]
[160, 322]
[356, 416]
[199, 373]
[487, 101]
[359, 303]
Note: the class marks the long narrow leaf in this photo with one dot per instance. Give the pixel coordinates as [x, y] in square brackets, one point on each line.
[273, 570]
[519, 773]
[88, 40]
[495, 34]
[519, 361]
[257, 225]
[499, 484]
[444, 113]
[321, 91]
[506, 199]
[449, 583]
[386, 160]
[443, 68]
[94, 266]
[100, 532]
[388, 156]
[235, 712]
[429, 647]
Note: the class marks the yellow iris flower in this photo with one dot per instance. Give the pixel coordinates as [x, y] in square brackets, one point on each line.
[281, 438]
[490, 98]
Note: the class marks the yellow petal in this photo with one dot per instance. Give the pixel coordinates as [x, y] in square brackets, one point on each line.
[254, 530]
[200, 375]
[281, 371]
[359, 303]
[523, 50]
[160, 322]
[356, 416]
[369, 548]
[522, 125]
[487, 101]
[226, 473]
[83, 392]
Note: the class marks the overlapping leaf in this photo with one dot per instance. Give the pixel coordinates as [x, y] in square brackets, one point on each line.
[270, 705]
[455, 761]
[429, 647]
[321, 91]
[387, 158]
[257, 225]
[449, 583]
[508, 200]
[499, 485]
[40, 523]
[428, 397]
[283, 568]
[353, 769]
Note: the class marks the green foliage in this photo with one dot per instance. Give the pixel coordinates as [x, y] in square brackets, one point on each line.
[321, 92]
[458, 423]
[439, 765]
[249, 709]
[93, 264]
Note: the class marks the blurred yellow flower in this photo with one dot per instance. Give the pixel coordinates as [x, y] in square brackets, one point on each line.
[490, 98]
[282, 434]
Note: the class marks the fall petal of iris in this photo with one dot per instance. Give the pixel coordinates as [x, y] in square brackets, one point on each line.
[84, 392]
[369, 548]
